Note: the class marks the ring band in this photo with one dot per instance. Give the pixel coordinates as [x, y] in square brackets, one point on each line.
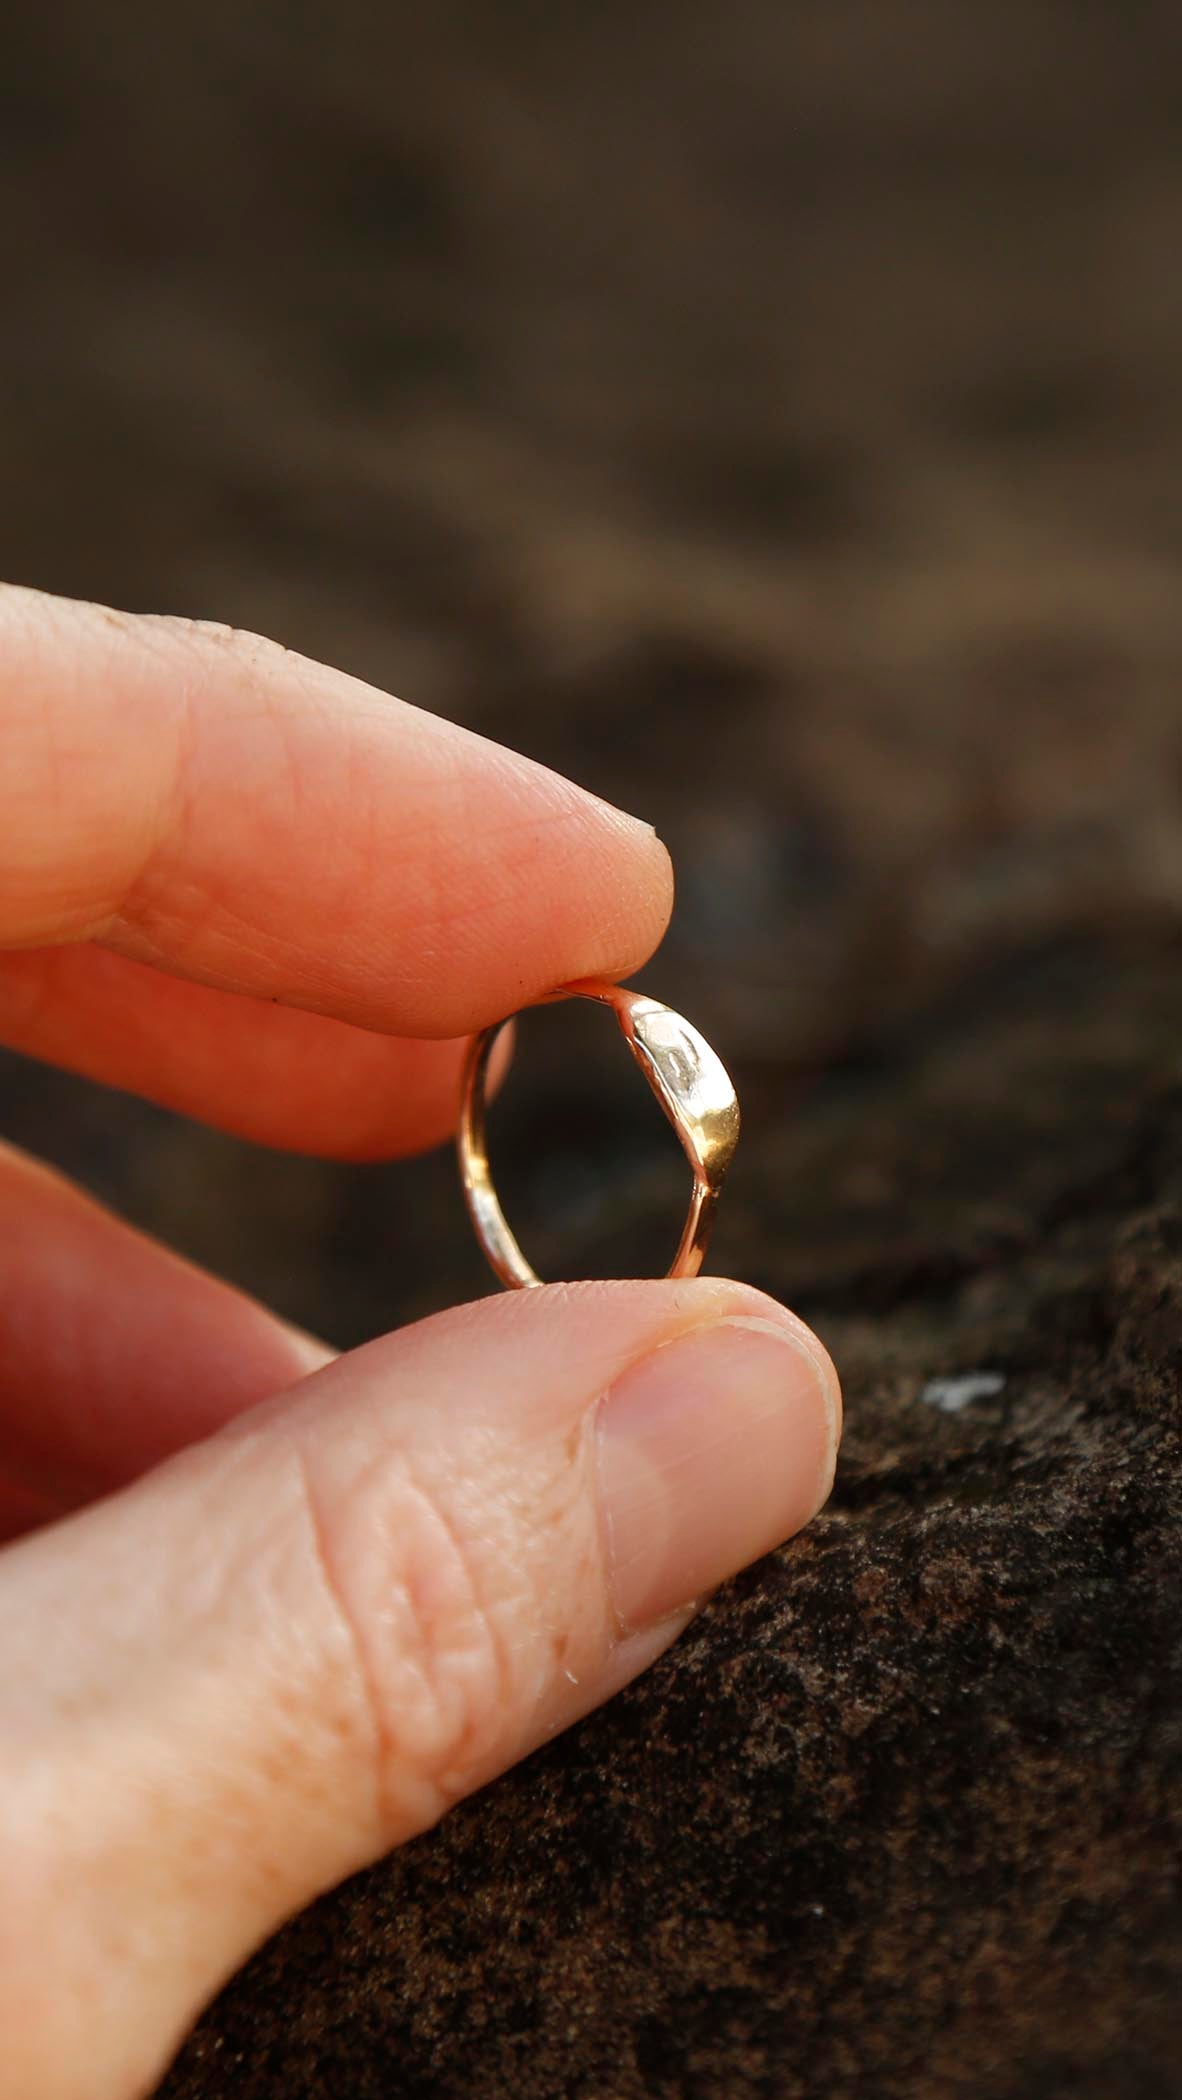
[690, 1082]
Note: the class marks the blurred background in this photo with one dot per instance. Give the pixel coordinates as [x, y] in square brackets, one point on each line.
[769, 415]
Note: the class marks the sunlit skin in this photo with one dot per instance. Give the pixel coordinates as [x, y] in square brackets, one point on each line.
[266, 1612]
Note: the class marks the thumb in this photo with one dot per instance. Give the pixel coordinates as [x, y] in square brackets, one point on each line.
[295, 1644]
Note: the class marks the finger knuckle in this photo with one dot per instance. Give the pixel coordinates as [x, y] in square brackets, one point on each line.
[438, 1613]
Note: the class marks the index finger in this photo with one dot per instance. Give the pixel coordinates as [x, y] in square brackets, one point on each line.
[206, 801]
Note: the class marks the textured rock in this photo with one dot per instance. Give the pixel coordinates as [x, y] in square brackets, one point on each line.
[901, 1815]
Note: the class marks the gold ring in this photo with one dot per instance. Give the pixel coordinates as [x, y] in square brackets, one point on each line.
[690, 1082]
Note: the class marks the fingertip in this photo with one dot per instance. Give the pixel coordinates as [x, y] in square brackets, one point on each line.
[651, 893]
[713, 1448]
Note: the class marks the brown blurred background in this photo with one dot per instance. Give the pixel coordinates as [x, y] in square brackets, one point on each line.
[772, 416]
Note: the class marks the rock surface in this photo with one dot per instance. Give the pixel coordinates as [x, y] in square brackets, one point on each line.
[770, 416]
[901, 1815]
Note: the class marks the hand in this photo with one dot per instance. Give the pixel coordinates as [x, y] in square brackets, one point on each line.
[271, 1613]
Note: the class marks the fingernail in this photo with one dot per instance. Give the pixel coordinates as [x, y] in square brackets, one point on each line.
[712, 1450]
[625, 816]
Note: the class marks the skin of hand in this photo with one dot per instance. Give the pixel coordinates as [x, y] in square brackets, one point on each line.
[266, 1613]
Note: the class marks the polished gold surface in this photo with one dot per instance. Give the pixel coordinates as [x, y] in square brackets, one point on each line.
[692, 1086]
